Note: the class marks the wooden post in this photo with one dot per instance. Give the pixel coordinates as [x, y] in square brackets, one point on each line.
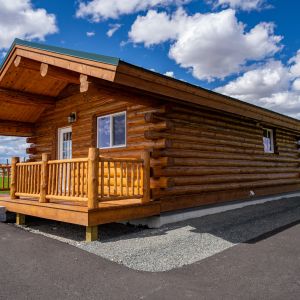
[44, 178]
[91, 233]
[146, 176]
[13, 184]
[93, 177]
[20, 219]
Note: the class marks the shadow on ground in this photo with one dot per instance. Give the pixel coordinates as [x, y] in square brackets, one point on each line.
[235, 226]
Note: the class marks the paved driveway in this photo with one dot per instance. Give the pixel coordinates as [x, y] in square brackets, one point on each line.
[36, 267]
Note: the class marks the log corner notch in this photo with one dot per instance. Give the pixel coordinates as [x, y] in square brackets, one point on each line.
[53, 72]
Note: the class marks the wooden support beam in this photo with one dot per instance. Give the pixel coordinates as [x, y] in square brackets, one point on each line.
[91, 233]
[44, 179]
[20, 219]
[84, 84]
[13, 128]
[59, 73]
[47, 70]
[13, 183]
[19, 97]
[93, 175]
[146, 176]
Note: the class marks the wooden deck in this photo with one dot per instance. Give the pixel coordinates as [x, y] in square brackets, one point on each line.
[84, 191]
[78, 212]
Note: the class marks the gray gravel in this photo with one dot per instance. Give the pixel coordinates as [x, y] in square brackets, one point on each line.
[175, 245]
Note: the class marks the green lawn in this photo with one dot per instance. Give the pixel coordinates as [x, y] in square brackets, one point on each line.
[5, 184]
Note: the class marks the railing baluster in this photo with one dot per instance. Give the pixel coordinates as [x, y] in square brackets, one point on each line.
[132, 179]
[115, 179]
[108, 178]
[127, 183]
[102, 176]
[121, 186]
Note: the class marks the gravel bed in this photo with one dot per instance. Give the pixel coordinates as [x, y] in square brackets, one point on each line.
[178, 244]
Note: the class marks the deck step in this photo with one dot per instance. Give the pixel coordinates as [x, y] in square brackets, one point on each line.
[2, 214]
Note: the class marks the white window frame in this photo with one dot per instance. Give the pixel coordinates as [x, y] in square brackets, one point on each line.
[111, 146]
[271, 131]
[60, 132]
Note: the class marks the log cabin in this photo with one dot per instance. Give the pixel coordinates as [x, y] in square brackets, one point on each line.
[110, 141]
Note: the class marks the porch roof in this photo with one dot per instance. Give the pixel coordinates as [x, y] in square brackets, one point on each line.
[37, 69]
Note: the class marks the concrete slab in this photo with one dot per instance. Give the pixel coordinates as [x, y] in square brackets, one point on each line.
[192, 213]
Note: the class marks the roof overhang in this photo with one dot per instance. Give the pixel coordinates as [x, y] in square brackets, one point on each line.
[46, 70]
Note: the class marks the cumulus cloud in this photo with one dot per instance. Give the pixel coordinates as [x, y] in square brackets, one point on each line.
[20, 19]
[12, 146]
[239, 4]
[90, 33]
[170, 74]
[113, 29]
[99, 10]
[273, 85]
[212, 45]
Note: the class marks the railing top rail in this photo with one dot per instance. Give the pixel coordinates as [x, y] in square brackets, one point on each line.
[67, 160]
[129, 160]
[5, 166]
[29, 163]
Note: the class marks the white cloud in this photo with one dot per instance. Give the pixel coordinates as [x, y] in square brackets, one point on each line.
[99, 10]
[212, 45]
[170, 74]
[239, 4]
[12, 146]
[113, 29]
[90, 33]
[273, 85]
[19, 19]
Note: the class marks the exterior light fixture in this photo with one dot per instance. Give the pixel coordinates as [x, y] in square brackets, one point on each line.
[72, 117]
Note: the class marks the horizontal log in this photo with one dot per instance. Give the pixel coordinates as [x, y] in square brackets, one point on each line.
[191, 162]
[20, 97]
[157, 171]
[13, 128]
[213, 179]
[212, 148]
[153, 135]
[32, 150]
[208, 155]
[199, 132]
[170, 203]
[165, 125]
[195, 189]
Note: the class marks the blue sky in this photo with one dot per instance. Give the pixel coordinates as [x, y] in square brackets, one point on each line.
[244, 48]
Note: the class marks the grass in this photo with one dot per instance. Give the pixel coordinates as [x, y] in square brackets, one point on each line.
[5, 184]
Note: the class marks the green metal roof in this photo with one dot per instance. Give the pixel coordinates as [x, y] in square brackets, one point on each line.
[79, 54]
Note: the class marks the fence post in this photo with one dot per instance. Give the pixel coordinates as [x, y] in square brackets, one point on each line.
[146, 176]
[13, 184]
[93, 177]
[44, 178]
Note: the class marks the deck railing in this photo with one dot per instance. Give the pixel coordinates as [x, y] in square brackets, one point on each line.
[92, 179]
[4, 177]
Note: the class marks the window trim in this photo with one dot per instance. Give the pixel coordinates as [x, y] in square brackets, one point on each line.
[111, 146]
[272, 151]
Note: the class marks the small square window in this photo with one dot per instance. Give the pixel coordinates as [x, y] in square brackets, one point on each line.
[268, 140]
[111, 131]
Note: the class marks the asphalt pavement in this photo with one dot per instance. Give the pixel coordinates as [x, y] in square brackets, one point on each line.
[37, 267]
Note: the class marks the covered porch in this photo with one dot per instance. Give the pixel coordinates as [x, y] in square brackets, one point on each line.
[82, 188]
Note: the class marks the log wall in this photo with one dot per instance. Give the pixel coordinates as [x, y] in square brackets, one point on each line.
[210, 157]
[198, 157]
[84, 131]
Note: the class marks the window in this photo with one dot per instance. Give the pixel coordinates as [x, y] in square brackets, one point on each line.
[111, 130]
[268, 140]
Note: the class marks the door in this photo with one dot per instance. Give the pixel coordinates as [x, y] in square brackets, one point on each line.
[65, 143]
[64, 152]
